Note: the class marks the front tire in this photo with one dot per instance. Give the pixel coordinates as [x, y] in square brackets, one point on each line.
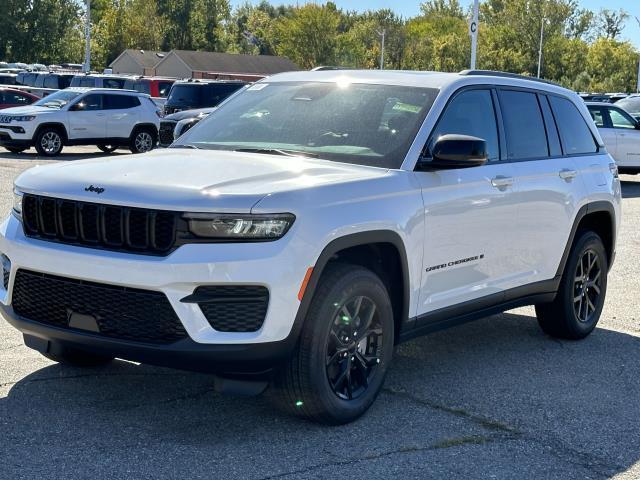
[344, 350]
[77, 358]
[49, 142]
[577, 307]
[143, 140]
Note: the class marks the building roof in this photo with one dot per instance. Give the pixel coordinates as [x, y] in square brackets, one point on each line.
[144, 58]
[234, 63]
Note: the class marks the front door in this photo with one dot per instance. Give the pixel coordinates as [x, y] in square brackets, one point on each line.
[469, 214]
[87, 118]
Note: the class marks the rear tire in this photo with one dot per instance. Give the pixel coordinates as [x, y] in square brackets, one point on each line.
[336, 373]
[143, 140]
[577, 307]
[16, 149]
[77, 358]
[107, 148]
[49, 142]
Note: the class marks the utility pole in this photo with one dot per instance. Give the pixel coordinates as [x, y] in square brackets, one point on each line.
[382, 34]
[473, 31]
[87, 35]
[541, 42]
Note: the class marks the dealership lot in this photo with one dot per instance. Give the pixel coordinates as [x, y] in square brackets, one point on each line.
[491, 399]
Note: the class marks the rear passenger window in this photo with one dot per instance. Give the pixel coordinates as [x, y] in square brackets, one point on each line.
[574, 132]
[471, 113]
[120, 102]
[523, 125]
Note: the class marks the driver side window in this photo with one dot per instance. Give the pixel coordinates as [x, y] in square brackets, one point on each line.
[470, 113]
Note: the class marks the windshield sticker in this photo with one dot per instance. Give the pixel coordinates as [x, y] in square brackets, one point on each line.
[257, 86]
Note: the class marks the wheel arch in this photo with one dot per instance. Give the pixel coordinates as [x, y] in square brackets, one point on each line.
[383, 252]
[141, 126]
[599, 217]
[57, 125]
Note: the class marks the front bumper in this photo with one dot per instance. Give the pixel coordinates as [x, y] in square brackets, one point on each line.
[279, 266]
[17, 134]
[230, 360]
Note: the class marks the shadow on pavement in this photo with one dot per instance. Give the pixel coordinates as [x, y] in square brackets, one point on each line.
[31, 155]
[488, 398]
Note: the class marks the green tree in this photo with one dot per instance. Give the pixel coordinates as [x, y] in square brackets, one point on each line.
[309, 36]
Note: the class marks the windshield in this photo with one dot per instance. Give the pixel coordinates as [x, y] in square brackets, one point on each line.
[631, 105]
[57, 100]
[355, 123]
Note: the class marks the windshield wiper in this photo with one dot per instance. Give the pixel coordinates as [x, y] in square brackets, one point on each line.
[278, 151]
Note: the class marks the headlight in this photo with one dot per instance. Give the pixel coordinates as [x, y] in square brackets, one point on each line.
[17, 203]
[23, 118]
[239, 227]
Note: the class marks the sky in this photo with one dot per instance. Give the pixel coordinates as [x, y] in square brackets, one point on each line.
[408, 8]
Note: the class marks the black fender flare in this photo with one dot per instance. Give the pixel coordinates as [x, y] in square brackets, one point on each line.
[589, 208]
[348, 241]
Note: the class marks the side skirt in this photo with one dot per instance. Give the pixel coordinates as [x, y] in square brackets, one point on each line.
[540, 292]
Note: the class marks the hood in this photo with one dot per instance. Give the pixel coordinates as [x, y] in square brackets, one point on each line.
[28, 110]
[187, 180]
[188, 114]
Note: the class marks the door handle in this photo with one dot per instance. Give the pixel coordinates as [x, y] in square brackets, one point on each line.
[502, 182]
[99, 114]
[567, 174]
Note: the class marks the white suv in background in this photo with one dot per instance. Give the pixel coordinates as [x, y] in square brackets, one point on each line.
[313, 222]
[621, 134]
[107, 118]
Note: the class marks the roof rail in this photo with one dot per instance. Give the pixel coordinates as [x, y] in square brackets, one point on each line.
[493, 73]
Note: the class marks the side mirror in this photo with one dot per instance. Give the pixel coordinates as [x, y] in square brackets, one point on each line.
[455, 151]
[76, 107]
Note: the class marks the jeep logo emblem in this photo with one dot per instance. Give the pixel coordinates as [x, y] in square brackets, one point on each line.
[97, 190]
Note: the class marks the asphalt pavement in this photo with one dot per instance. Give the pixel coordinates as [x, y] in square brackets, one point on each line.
[494, 399]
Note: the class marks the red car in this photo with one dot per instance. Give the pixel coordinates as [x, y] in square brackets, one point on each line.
[153, 86]
[11, 97]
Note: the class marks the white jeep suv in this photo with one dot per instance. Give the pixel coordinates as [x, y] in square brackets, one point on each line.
[312, 223]
[108, 118]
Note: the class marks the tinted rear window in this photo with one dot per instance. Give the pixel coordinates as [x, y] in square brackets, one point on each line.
[201, 95]
[524, 128]
[574, 132]
[120, 102]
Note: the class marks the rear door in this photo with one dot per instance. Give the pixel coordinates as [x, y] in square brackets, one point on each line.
[627, 134]
[87, 118]
[122, 113]
[551, 186]
[469, 213]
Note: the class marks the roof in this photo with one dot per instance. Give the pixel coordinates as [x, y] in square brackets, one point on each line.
[234, 63]
[144, 58]
[106, 90]
[438, 80]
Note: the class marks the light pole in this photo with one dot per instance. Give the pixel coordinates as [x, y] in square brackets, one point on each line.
[87, 35]
[383, 33]
[542, 24]
[473, 31]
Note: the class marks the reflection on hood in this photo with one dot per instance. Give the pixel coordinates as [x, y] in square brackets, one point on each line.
[188, 113]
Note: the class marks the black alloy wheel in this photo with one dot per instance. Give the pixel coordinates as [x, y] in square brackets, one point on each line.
[354, 347]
